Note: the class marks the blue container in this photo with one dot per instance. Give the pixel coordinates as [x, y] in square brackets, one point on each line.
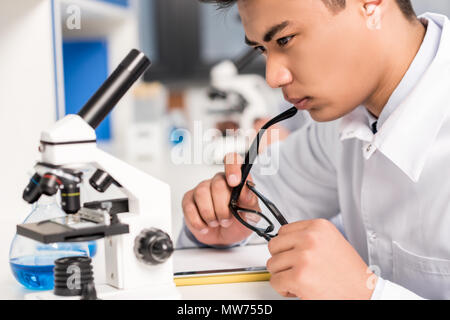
[32, 262]
[35, 272]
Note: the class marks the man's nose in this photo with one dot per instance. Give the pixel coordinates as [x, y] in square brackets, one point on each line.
[277, 74]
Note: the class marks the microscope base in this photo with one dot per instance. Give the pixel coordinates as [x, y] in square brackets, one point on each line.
[106, 292]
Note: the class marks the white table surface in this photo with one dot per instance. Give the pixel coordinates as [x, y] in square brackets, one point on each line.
[261, 290]
[11, 290]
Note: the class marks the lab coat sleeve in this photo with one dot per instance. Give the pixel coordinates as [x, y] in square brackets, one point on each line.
[387, 290]
[299, 174]
[187, 240]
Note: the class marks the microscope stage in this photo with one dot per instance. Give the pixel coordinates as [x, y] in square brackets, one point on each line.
[51, 231]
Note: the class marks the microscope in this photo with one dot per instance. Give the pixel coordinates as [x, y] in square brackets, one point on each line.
[136, 228]
[236, 101]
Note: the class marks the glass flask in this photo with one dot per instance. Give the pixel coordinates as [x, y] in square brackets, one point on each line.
[32, 262]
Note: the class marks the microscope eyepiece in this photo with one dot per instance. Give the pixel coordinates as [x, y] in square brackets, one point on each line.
[114, 88]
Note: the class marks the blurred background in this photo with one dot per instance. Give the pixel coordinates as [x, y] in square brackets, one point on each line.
[176, 124]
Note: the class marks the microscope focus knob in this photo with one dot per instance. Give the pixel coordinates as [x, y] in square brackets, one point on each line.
[153, 246]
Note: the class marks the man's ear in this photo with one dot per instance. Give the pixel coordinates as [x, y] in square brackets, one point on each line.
[372, 13]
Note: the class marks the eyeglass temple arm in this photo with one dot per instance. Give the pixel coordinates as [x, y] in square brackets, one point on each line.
[269, 204]
[252, 152]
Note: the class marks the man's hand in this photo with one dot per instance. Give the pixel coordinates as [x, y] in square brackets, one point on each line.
[312, 260]
[206, 211]
[205, 207]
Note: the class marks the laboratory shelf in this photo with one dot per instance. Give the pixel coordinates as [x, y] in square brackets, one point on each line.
[113, 24]
[98, 18]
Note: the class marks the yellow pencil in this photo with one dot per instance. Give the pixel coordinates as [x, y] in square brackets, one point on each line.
[219, 279]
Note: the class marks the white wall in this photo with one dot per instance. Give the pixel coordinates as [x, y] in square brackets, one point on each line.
[27, 105]
[437, 6]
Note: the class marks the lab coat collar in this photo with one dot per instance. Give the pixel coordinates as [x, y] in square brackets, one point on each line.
[355, 125]
[408, 134]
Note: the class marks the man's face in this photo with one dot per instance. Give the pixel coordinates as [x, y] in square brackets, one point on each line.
[315, 53]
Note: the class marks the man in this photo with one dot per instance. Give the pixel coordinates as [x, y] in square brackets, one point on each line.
[376, 79]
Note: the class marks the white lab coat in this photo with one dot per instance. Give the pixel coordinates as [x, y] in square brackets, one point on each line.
[392, 188]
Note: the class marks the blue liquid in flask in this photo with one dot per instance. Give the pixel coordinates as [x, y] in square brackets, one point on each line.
[32, 262]
[36, 272]
[92, 245]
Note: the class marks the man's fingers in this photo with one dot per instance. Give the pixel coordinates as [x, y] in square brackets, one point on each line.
[233, 162]
[280, 262]
[282, 283]
[285, 242]
[301, 234]
[295, 226]
[220, 192]
[204, 203]
[191, 214]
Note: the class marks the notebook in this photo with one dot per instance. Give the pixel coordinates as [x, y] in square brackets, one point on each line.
[216, 266]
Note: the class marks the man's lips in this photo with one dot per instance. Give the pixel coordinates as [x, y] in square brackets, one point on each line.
[301, 104]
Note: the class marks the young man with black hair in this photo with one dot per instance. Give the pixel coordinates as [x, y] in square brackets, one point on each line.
[376, 79]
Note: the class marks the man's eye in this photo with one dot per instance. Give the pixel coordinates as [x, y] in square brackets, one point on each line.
[284, 41]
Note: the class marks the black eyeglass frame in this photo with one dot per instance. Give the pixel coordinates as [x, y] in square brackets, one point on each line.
[250, 157]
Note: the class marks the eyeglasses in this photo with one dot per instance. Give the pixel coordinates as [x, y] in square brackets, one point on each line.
[253, 219]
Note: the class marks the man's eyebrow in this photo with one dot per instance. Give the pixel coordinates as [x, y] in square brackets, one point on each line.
[274, 30]
[250, 42]
[269, 34]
